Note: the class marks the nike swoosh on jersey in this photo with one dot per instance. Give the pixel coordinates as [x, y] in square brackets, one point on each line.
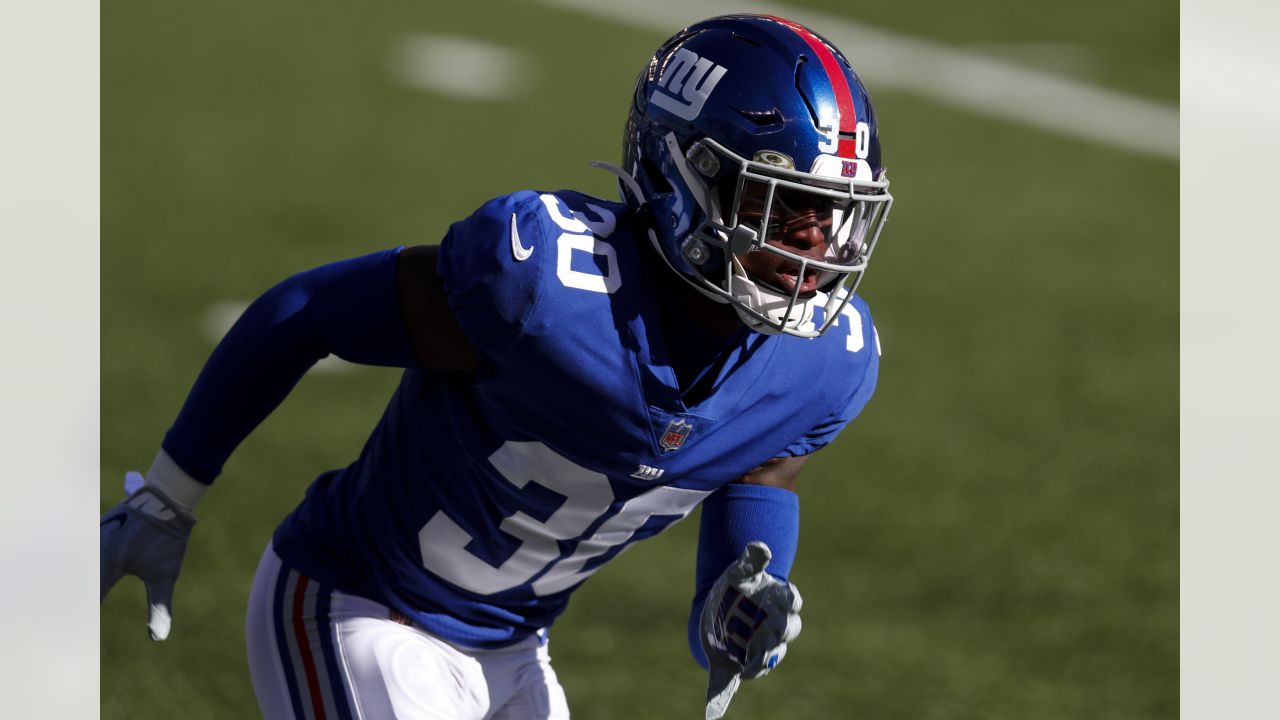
[520, 252]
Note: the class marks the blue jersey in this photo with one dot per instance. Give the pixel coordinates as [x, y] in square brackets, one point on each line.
[479, 503]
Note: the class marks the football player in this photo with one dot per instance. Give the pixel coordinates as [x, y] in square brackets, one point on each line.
[579, 374]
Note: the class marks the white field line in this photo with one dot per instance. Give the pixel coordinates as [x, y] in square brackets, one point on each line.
[964, 79]
[219, 318]
[461, 67]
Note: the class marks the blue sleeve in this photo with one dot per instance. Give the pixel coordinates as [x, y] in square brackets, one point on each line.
[350, 309]
[491, 291]
[733, 516]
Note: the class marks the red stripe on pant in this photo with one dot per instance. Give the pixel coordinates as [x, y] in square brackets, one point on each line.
[304, 648]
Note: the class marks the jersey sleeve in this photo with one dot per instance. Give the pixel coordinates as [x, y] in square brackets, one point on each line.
[824, 432]
[492, 264]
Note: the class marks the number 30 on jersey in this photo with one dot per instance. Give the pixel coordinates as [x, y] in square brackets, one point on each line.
[588, 497]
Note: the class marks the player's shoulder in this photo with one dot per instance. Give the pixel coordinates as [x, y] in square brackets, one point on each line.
[852, 338]
[487, 223]
[595, 209]
[574, 241]
[492, 263]
[523, 259]
[575, 213]
[846, 353]
[871, 337]
[844, 361]
[547, 213]
[506, 230]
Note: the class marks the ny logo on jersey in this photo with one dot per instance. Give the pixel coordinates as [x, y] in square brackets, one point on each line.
[686, 84]
[674, 436]
[644, 472]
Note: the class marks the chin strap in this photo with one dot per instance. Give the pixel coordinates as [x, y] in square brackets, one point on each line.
[773, 306]
[629, 185]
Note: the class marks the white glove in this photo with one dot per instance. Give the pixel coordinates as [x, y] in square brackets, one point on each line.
[145, 536]
[747, 621]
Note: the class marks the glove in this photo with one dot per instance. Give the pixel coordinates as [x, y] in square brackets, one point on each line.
[746, 623]
[145, 536]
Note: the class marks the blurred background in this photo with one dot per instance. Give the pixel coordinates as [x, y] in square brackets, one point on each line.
[995, 537]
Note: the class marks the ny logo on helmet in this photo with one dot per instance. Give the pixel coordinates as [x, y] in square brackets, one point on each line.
[686, 84]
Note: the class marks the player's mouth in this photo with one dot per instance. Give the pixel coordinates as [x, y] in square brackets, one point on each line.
[787, 276]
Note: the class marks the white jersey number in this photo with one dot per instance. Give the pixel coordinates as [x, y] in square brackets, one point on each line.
[854, 343]
[588, 496]
[584, 234]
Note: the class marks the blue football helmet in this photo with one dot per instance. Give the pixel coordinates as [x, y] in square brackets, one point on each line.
[753, 154]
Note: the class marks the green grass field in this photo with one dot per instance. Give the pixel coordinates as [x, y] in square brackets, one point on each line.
[995, 537]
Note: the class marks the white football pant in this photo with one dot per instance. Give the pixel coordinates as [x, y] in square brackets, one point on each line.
[316, 653]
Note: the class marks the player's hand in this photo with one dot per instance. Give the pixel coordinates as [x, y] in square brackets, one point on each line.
[748, 619]
[145, 536]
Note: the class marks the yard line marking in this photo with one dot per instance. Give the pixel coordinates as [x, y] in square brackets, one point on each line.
[462, 67]
[960, 78]
[220, 316]
[1061, 58]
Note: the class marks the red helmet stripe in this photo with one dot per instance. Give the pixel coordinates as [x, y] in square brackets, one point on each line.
[839, 84]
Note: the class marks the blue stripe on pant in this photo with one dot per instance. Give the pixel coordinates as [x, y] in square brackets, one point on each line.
[324, 629]
[315, 651]
[280, 618]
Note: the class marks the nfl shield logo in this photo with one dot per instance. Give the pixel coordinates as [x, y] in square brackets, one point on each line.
[674, 436]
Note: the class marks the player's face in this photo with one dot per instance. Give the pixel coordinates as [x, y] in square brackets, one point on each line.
[800, 223]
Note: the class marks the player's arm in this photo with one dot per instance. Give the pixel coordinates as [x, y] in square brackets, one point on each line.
[745, 611]
[778, 472]
[434, 334]
[760, 506]
[355, 309]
